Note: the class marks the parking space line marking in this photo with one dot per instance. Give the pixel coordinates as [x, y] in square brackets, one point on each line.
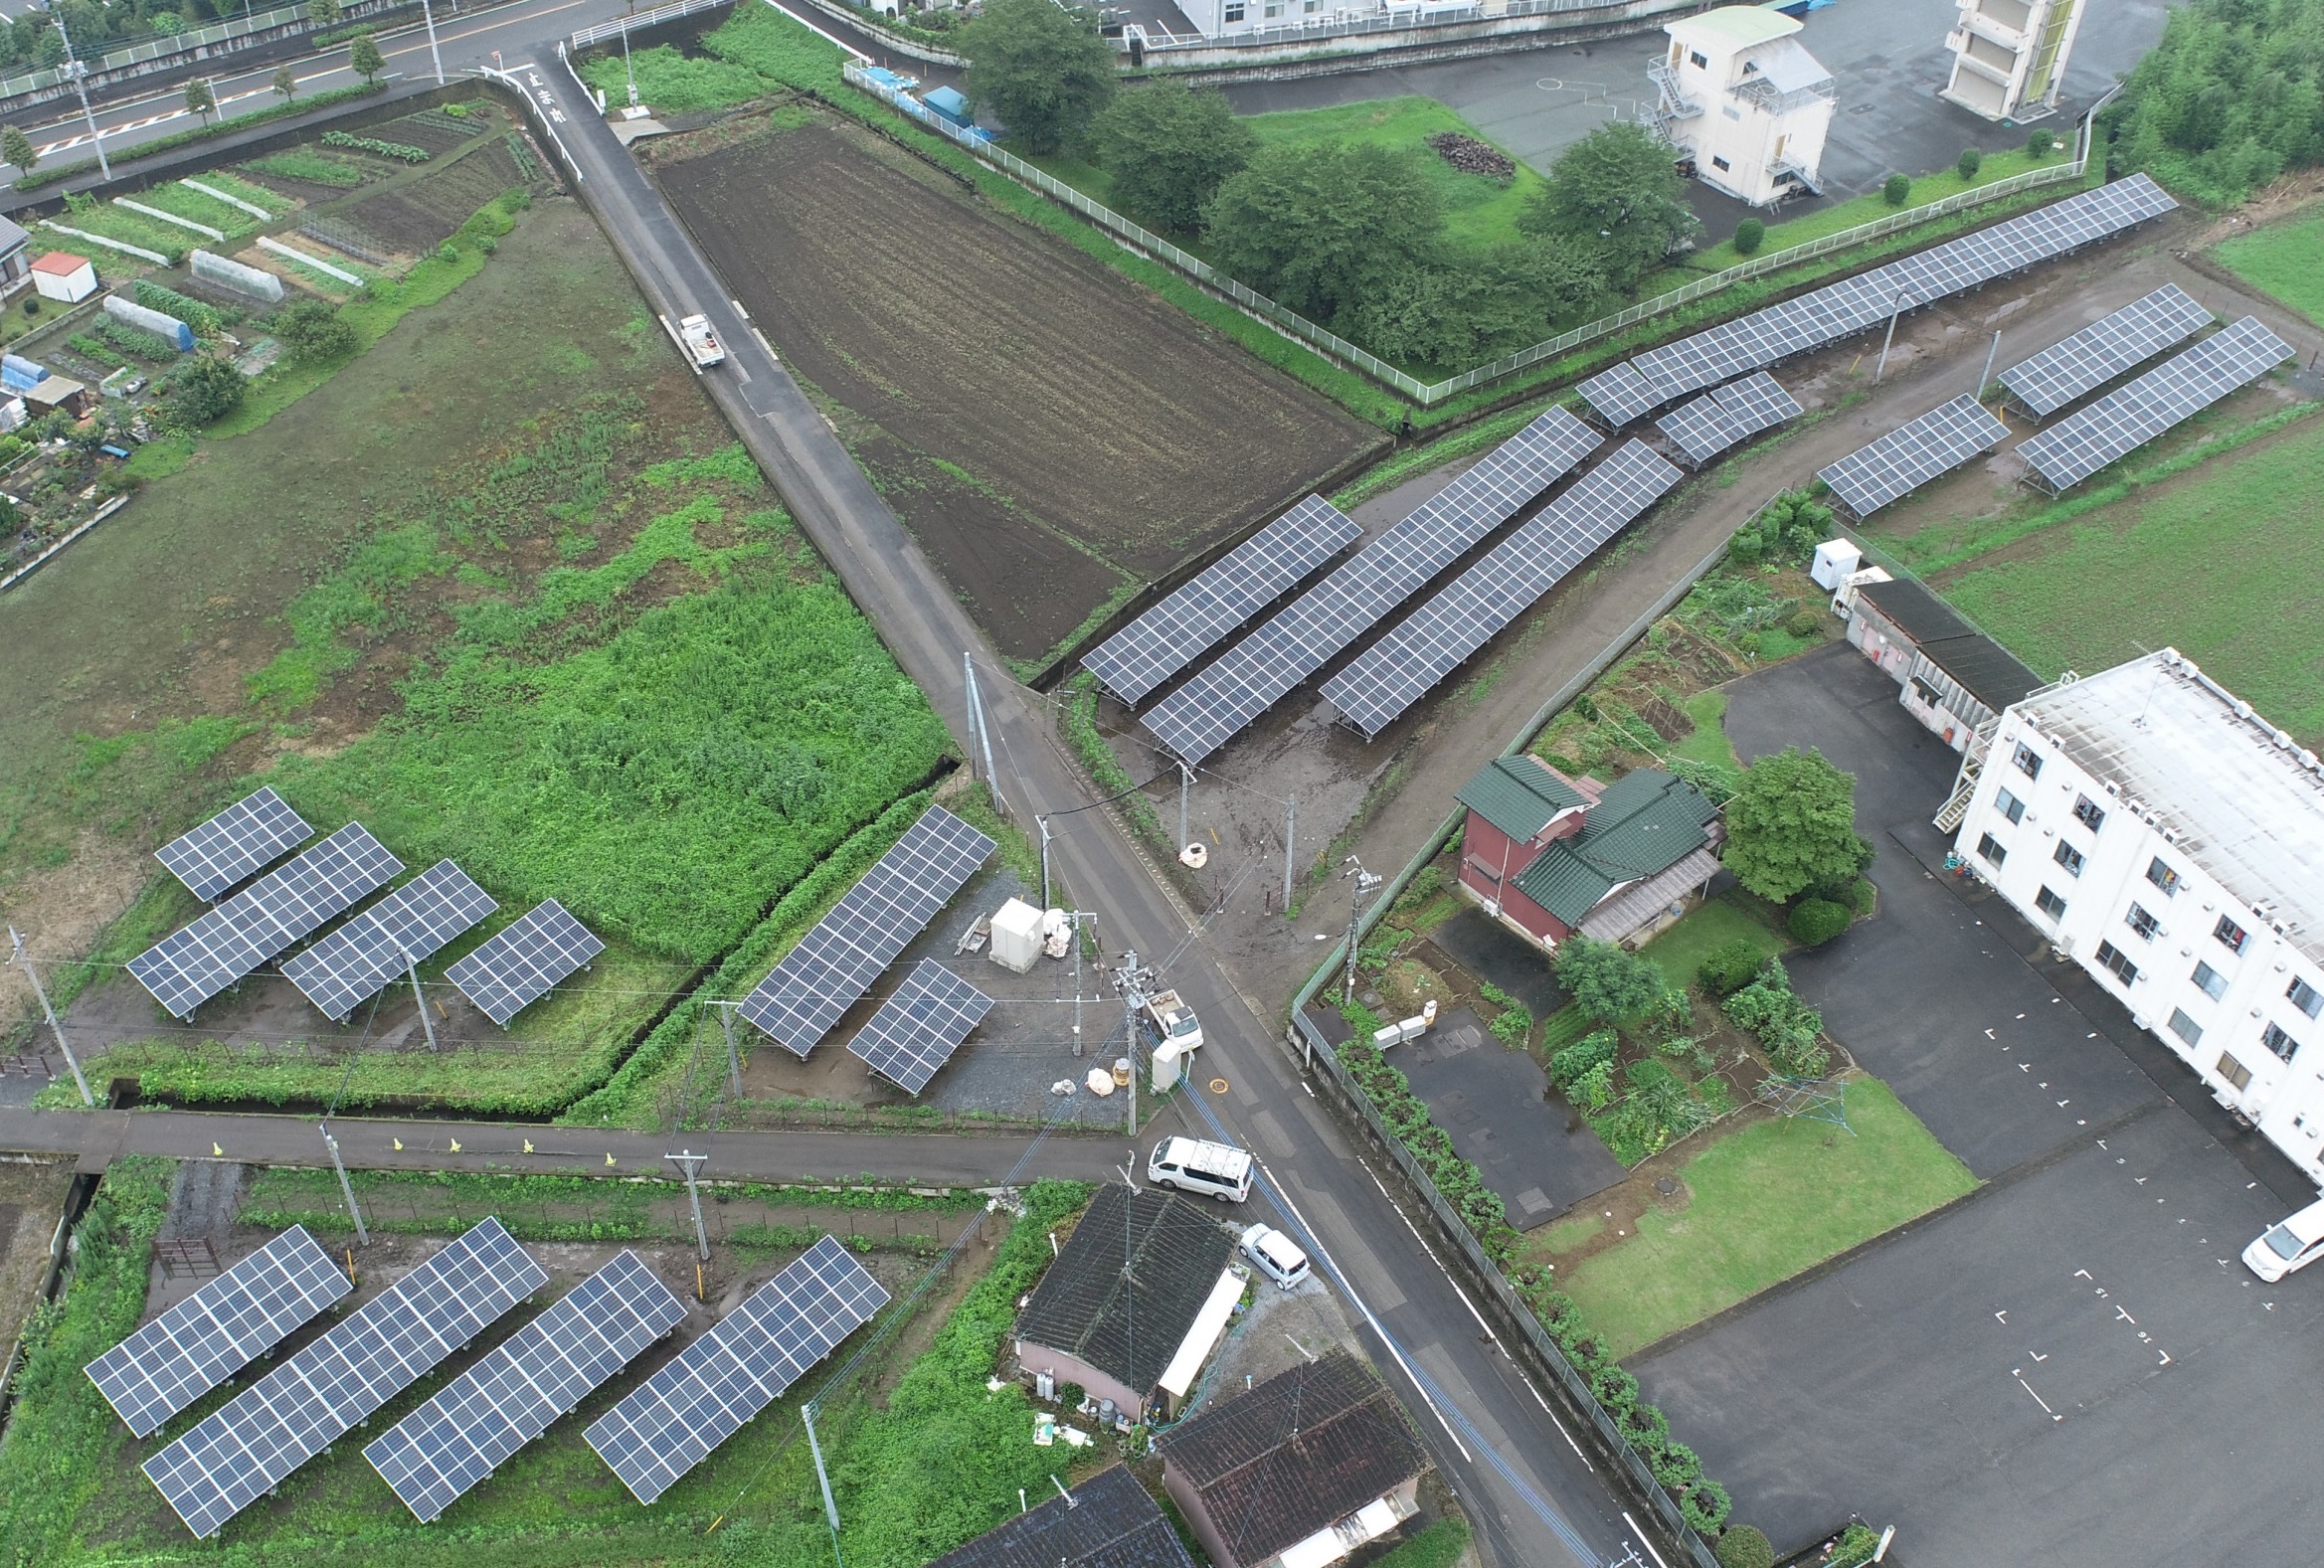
[2037, 1399]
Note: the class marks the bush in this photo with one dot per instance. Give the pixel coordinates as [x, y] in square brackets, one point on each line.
[313, 333]
[1859, 895]
[1675, 1465]
[1815, 920]
[1745, 1547]
[1729, 967]
[32, 308]
[1856, 1544]
[1806, 623]
[1597, 1049]
[2040, 142]
[1707, 1507]
[1751, 233]
[1616, 1389]
[205, 391]
[1608, 983]
[1896, 190]
[1970, 161]
[1070, 1395]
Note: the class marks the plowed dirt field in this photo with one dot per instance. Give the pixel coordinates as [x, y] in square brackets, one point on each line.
[1052, 435]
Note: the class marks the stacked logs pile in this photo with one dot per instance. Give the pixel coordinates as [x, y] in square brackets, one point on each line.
[1471, 156]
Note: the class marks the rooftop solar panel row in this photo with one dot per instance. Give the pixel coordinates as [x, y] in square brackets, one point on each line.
[1913, 453]
[1145, 654]
[2126, 418]
[2086, 361]
[407, 927]
[1400, 668]
[244, 838]
[1300, 639]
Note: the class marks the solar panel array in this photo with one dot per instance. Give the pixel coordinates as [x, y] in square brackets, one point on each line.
[1913, 453]
[523, 964]
[2104, 349]
[2126, 418]
[187, 968]
[411, 925]
[247, 836]
[916, 1031]
[835, 963]
[702, 1397]
[1838, 311]
[1137, 660]
[1397, 671]
[243, 1449]
[218, 1330]
[524, 1385]
[1728, 415]
[1300, 639]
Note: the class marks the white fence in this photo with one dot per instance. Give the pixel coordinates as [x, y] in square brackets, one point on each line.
[659, 14]
[1423, 392]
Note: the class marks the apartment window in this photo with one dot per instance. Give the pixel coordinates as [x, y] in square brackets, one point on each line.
[1696, 59]
[2071, 858]
[2029, 761]
[2142, 921]
[2230, 933]
[2089, 812]
[2009, 805]
[2113, 959]
[2163, 876]
[1234, 12]
[2186, 1028]
[1719, 163]
[2307, 997]
[2050, 903]
[2233, 1072]
[1273, 11]
[2279, 1042]
[1990, 848]
[2209, 981]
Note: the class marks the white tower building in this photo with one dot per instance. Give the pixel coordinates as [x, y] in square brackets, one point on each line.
[1745, 100]
[2009, 56]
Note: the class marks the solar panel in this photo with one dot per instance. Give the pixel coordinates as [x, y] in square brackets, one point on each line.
[243, 1449]
[520, 965]
[244, 838]
[1201, 716]
[411, 925]
[524, 1385]
[1838, 311]
[187, 968]
[672, 1421]
[1726, 416]
[1142, 656]
[1913, 453]
[2104, 349]
[916, 1031]
[1400, 668]
[834, 964]
[218, 1330]
[2126, 418]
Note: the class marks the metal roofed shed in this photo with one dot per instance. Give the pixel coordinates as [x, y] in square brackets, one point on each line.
[1107, 1521]
[1953, 676]
[1125, 1295]
[949, 103]
[1299, 1472]
[61, 275]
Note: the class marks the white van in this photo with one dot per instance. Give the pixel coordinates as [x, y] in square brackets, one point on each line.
[1190, 1164]
[1277, 1255]
[2288, 1247]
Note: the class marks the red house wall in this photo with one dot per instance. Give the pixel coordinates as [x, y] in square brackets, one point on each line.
[1485, 849]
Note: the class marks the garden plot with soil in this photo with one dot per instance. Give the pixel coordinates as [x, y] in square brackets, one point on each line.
[1054, 437]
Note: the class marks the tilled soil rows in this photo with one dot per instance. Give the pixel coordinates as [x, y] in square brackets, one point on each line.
[1049, 432]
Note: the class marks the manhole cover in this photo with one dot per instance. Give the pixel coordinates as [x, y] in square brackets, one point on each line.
[1668, 1187]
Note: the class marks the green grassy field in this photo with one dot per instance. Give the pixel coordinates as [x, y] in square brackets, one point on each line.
[1765, 1203]
[2197, 562]
[1478, 210]
[1680, 952]
[2285, 259]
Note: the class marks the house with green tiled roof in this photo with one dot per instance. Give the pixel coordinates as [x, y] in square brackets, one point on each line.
[1548, 855]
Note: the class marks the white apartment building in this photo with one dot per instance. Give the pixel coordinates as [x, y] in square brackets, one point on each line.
[1230, 19]
[2171, 841]
[2009, 56]
[1746, 101]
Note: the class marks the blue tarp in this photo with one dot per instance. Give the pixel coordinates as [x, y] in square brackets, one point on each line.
[18, 374]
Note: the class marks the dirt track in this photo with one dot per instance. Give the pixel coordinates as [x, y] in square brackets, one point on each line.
[1049, 432]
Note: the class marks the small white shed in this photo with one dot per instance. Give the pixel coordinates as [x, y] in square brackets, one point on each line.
[1017, 936]
[1835, 559]
[62, 276]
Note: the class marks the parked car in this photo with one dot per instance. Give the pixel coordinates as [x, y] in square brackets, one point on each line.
[1196, 1166]
[2288, 1246]
[1276, 1256]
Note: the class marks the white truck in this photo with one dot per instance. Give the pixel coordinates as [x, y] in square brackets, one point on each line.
[701, 344]
[1174, 1022]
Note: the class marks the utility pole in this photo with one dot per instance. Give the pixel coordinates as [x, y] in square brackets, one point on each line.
[413, 970]
[691, 1164]
[79, 76]
[626, 63]
[980, 732]
[1289, 833]
[429, 13]
[1186, 782]
[1366, 883]
[346, 1188]
[1986, 379]
[806, 1413]
[17, 956]
[734, 1060]
[1044, 819]
[1894, 311]
[1132, 982]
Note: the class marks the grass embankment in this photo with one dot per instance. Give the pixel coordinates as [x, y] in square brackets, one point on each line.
[2285, 259]
[50, 174]
[1761, 1204]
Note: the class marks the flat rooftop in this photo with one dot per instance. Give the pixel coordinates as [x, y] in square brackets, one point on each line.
[2245, 802]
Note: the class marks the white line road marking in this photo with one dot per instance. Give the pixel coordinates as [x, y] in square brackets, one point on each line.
[2036, 1356]
[1432, 1256]
[1641, 1534]
[2037, 1399]
[2001, 1317]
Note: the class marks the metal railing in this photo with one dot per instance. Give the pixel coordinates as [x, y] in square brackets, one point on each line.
[164, 44]
[644, 19]
[1293, 325]
[1402, 18]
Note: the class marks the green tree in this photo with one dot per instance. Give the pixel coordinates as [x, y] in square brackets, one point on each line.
[1970, 161]
[205, 391]
[16, 148]
[1606, 981]
[1745, 1547]
[364, 58]
[286, 84]
[322, 13]
[1042, 69]
[1792, 826]
[313, 333]
[1168, 148]
[1751, 233]
[1896, 190]
[1614, 195]
[1319, 228]
[199, 99]
[2232, 97]
[2041, 142]
[1464, 310]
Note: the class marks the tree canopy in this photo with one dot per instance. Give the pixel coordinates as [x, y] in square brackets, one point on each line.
[16, 148]
[2232, 97]
[1792, 826]
[364, 58]
[1606, 981]
[1168, 148]
[1460, 313]
[1321, 228]
[1614, 196]
[1043, 70]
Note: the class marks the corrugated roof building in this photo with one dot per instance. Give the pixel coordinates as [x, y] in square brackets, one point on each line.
[1954, 677]
[1108, 1521]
